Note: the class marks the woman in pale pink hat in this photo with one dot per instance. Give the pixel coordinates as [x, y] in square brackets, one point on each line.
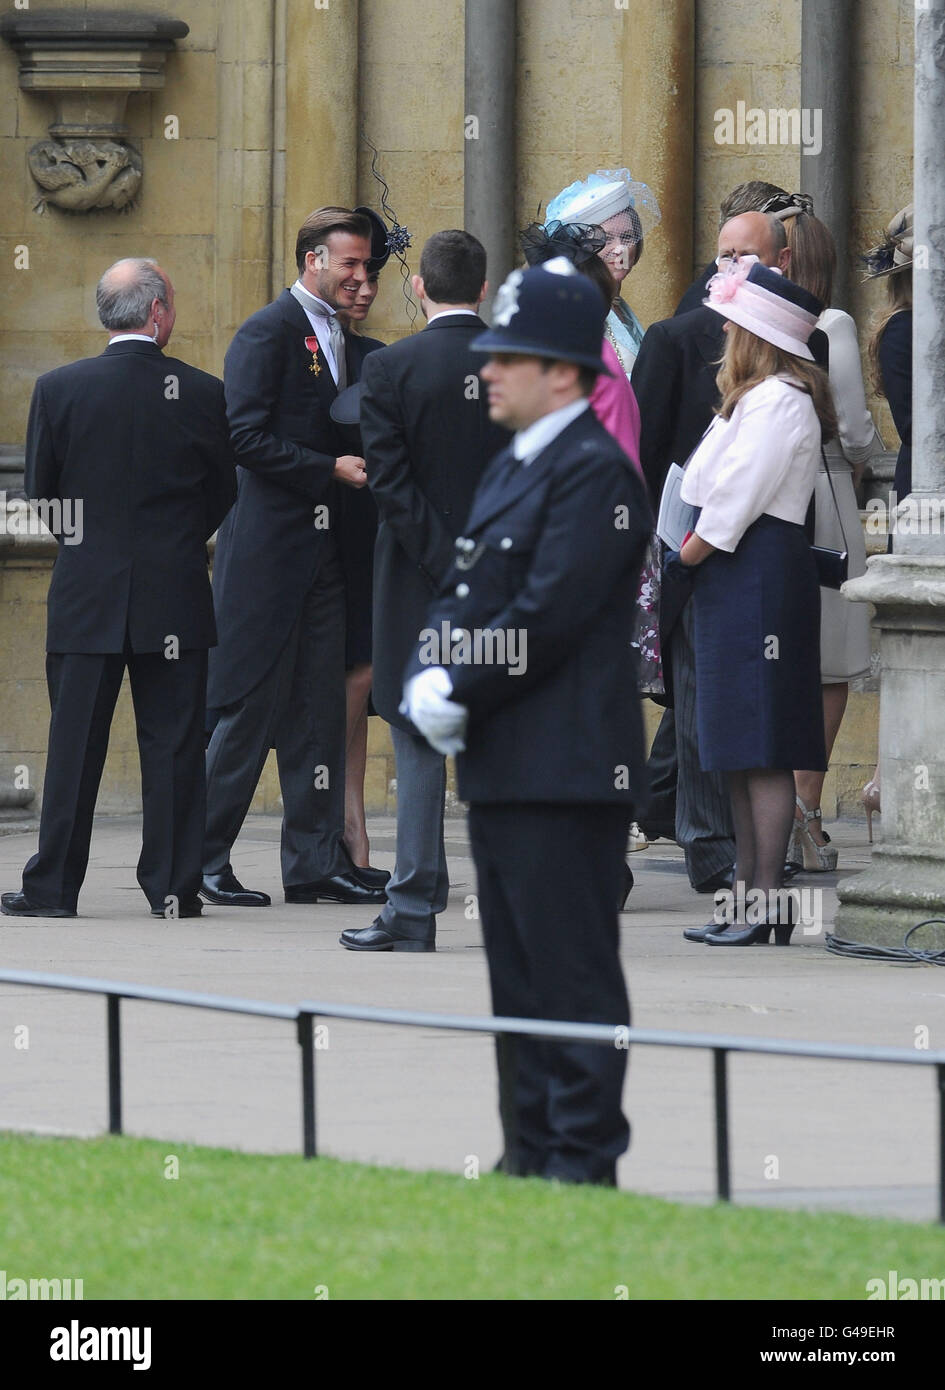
[755, 586]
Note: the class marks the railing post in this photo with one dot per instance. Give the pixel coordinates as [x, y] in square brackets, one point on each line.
[940, 1077]
[114, 1063]
[306, 1043]
[505, 1049]
[724, 1182]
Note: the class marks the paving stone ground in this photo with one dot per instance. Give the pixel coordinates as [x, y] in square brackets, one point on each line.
[803, 1133]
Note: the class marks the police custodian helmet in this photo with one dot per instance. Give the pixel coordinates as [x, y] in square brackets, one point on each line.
[550, 310]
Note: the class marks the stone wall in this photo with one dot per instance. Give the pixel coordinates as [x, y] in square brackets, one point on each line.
[268, 96]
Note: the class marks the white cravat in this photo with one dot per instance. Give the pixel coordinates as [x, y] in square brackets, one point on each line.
[328, 331]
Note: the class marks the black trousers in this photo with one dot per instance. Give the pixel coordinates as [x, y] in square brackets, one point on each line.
[169, 699]
[298, 708]
[550, 878]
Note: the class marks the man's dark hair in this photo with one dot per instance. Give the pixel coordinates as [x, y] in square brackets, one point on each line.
[453, 267]
[321, 223]
[587, 376]
[748, 197]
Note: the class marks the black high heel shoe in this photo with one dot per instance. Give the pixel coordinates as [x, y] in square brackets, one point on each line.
[627, 887]
[702, 933]
[782, 923]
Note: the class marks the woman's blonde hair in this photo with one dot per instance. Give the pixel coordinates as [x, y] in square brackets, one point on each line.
[898, 298]
[750, 360]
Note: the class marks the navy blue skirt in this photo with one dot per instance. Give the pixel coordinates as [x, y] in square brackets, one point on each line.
[757, 646]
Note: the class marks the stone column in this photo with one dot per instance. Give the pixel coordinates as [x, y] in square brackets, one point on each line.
[825, 87]
[322, 116]
[906, 879]
[657, 142]
[489, 130]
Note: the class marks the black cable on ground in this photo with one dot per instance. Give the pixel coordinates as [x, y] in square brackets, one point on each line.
[891, 955]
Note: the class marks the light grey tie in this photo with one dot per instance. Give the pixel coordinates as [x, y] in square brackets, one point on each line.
[338, 348]
[336, 335]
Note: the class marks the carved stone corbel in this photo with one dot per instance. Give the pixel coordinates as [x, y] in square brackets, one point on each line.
[88, 62]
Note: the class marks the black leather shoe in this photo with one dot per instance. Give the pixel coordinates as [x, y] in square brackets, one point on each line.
[700, 933]
[340, 888]
[193, 908]
[225, 889]
[370, 877]
[19, 905]
[790, 870]
[380, 937]
[723, 879]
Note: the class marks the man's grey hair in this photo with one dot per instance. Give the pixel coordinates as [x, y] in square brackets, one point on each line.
[126, 292]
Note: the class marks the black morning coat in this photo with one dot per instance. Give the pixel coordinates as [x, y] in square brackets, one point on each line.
[674, 382]
[427, 440]
[141, 440]
[558, 549]
[269, 550]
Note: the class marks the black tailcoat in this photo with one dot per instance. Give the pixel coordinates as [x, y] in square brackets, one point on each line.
[286, 444]
[141, 441]
[427, 439]
[674, 380]
[558, 547]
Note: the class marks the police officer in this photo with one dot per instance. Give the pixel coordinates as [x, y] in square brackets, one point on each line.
[526, 673]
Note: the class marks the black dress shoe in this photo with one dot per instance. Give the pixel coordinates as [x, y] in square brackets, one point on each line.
[225, 889]
[700, 933]
[380, 937]
[19, 905]
[723, 879]
[371, 878]
[193, 908]
[340, 888]
[374, 878]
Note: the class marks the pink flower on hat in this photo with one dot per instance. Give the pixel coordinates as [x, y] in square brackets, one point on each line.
[724, 286]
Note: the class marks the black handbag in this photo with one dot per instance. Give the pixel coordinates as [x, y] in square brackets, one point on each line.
[832, 565]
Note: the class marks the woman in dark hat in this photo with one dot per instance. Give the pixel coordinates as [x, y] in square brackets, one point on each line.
[755, 586]
[357, 534]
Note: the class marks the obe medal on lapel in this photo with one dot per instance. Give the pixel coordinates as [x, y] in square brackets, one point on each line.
[312, 344]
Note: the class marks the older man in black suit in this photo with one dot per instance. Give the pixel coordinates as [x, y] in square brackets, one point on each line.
[140, 442]
[277, 678]
[524, 673]
[427, 438]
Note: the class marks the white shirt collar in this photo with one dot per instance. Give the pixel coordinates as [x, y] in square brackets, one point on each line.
[132, 337]
[529, 442]
[444, 312]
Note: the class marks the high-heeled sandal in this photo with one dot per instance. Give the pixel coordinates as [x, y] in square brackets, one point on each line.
[782, 923]
[870, 799]
[804, 849]
[637, 839]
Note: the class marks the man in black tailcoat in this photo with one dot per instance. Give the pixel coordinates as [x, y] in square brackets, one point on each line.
[137, 444]
[525, 670]
[277, 677]
[427, 438]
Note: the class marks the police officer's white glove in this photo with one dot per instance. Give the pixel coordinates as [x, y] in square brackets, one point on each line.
[426, 704]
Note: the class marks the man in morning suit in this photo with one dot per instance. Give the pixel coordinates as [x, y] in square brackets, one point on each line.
[427, 438]
[674, 378]
[531, 680]
[277, 679]
[140, 442]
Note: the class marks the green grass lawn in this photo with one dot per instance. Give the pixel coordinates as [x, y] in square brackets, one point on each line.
[236, 1225]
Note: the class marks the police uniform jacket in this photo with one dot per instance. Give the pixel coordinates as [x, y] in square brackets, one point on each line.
[551, 553]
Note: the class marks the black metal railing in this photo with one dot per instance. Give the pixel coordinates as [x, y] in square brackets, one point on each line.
[305, 1015]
